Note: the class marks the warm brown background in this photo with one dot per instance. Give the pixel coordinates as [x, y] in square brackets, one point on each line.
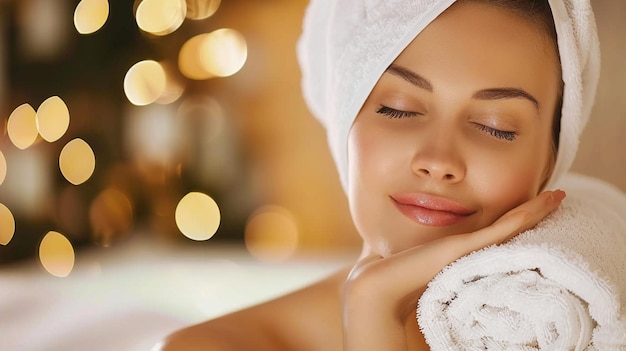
[603, 149]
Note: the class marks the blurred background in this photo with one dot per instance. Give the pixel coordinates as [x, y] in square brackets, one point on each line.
[141, 132]
[164, 98]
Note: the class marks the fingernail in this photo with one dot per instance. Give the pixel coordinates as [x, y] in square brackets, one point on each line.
[558, 195]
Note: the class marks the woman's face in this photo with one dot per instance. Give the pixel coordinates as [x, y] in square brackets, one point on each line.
[456, 132]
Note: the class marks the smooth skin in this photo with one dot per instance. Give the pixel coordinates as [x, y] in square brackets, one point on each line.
[465, 115]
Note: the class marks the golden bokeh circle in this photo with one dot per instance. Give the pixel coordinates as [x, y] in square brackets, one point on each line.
[144, 82]
[77, 161]
[90, 15]
[160, 17]
[197, 216]
[53, 119]
[189, 60]
[220, 53]
[56, 254]
[3, 167]
[7, 225]
[22, 126]
[224, 52]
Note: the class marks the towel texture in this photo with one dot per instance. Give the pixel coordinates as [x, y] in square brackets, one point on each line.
[558, 286]
[346, 45]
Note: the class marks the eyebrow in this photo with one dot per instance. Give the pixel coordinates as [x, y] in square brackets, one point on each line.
[410, 77]
[505, 93]
[484, 94]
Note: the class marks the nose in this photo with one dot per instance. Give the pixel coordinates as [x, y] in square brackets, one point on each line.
[439, 158]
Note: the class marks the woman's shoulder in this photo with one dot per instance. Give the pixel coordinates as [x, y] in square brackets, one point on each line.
[307, 319]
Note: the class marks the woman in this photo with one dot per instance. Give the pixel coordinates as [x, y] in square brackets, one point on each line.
[448, 153]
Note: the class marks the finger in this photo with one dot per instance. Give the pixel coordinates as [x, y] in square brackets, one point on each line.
[509, 225]
[519, 219]
[445, 250]
[425, 261]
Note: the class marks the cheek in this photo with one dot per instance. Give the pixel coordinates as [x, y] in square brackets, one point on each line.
[364, 167]
[503, 183]
[359, 153]
[505, 178]
[373, 160]
[370, 159]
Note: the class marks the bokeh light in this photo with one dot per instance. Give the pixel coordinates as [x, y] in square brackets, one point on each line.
[56, 254]
[90, 15]
[3, 167]
[174, 85]
[190, 61]
[77, 161]
[144, 82]
[271, 234]
[53, 119]
[110, 216]
[201, 9]
[7, 225]
[22, 126]
[220, 53]
[160, 17]
[224, 52]
[197, 216]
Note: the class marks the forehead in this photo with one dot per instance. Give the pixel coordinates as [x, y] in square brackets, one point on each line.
[474, 43]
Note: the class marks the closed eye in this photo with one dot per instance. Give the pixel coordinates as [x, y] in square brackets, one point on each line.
[499, 134]
[393, 113]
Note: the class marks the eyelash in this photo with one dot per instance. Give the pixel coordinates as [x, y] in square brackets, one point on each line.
[499, 134]
[393, 113]
[496, 133]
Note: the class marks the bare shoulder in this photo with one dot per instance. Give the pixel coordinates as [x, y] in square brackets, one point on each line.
[307, 319]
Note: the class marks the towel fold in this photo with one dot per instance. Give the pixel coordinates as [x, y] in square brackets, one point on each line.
[557, 286]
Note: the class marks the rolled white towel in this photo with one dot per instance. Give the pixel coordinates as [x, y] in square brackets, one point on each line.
[557, 286]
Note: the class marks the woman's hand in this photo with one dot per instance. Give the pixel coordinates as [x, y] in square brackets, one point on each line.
[380, 293]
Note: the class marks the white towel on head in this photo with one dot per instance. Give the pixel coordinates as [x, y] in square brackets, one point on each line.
[558, 286]
[346, 45]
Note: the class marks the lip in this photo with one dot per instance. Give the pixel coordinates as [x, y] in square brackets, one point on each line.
[429, 209]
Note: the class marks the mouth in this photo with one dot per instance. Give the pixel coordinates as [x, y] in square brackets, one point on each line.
[430, 210]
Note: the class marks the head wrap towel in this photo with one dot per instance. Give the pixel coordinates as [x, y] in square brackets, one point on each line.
[346, 45]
